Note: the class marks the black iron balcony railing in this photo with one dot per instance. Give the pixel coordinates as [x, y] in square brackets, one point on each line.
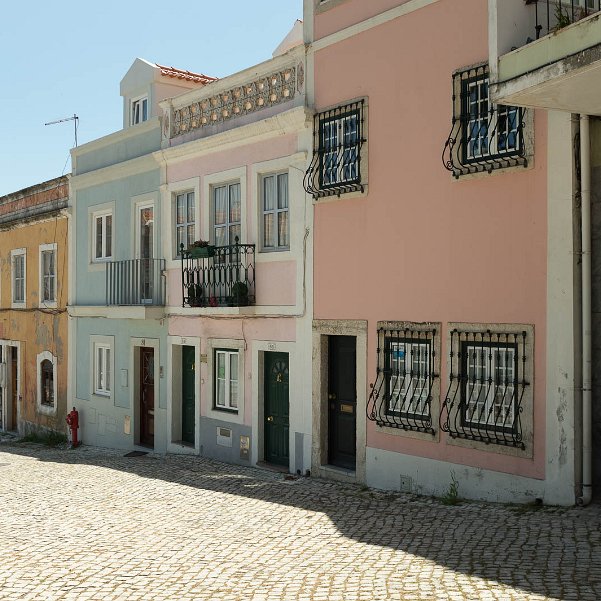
[552, 15]
[135, 282]
[225, 277]
[487, 383]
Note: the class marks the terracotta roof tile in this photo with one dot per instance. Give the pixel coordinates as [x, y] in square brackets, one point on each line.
[187, 75]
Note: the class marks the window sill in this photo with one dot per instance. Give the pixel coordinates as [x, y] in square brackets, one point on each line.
[226, 410]
[15, 305]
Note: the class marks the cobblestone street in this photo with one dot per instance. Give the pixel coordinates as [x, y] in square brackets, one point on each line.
[92, 524]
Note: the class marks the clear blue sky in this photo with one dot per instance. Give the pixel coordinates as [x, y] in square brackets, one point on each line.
[68, 57]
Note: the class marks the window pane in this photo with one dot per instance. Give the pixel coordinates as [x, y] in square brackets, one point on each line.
[107, 380]
[269, 193]
[99, 368]
[180, 209]
[109, 236]
[190, 239]
[283, 191]
[268, 230]
[98, 237]
[283, 229]
[144, 109]
[234, 380]
[191, 208]
[220, 236]
[179, 235]
[234, 233]
[220, 205]
[235, 205]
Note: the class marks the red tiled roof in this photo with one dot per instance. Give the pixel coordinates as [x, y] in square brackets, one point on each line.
[187, 75]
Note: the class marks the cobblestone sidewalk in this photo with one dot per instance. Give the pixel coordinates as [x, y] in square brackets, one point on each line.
[91, 524]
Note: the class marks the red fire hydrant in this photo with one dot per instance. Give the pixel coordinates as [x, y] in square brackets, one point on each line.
[73, 423]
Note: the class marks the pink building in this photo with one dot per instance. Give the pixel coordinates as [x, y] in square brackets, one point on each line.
[239, 318]
[442, 345]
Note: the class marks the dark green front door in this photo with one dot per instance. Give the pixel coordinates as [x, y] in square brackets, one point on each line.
[276, 408]
[188, 394]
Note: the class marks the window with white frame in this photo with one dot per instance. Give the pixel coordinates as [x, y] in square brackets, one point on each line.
[139, 110]
[102, 236]
[48, 273]
[276, 223]
[19, 262]
[226, 379]
[47, 389]
[185, 220]
[102, 369]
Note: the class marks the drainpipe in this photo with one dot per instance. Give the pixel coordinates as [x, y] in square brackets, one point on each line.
[585, 192]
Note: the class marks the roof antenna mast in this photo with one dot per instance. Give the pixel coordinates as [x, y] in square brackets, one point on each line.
[75, 120]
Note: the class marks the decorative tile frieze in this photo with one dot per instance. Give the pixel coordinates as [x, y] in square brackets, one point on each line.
[276, 88]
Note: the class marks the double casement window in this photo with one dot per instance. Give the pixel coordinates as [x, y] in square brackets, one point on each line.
[489, 386]
[402, 396]
[139, 110]
[102, 236]
[226, 379]
[276, 223]
[185, 220]
[48, 273]
[102, 369]
[484, 136]
[18, 269]
[338, 140]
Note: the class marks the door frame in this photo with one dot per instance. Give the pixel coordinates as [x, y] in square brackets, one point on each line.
[322, 329]
[295, 411]
[135, 345]
[7, 386]
[174, 400]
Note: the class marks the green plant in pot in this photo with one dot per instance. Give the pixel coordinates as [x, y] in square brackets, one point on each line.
[195, 295]
[240, 294]
[201, 249]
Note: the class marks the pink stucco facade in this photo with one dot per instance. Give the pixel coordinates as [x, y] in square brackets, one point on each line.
[419, 245]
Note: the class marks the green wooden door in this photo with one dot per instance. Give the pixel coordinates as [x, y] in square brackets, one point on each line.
[276, 408]
[188, 394]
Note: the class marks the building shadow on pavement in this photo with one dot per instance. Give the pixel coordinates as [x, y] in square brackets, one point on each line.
[554, 552]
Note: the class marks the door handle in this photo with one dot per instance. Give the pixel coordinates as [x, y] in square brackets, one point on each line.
[270, 418]
[332, 397]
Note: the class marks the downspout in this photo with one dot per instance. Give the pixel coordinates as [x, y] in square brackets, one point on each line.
[585, 192]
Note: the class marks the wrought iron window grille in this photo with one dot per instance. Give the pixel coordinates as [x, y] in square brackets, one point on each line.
[401, 396]
[339, 135]
[487, 382]
[484, 136]
[553, 15]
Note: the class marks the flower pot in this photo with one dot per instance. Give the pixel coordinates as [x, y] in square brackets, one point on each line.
[201, 252]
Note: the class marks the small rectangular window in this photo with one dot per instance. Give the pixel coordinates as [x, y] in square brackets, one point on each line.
[102, 236]
[276, 227]
[18, 276]
[102, 369]
[185, 220]
[139, 110]
[226, 379]
[48, 269]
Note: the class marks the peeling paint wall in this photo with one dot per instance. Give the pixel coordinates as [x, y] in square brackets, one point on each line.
[36, 329]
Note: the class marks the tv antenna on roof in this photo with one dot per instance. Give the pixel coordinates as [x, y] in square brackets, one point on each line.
[75, 119]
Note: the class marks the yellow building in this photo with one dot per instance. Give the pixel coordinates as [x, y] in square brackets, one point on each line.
[33, 300]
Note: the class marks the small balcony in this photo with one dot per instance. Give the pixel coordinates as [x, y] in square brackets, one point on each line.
[224, 276]
[135, 282]
[555, 62]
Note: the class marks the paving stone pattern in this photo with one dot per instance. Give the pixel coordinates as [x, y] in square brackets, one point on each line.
[91, 524]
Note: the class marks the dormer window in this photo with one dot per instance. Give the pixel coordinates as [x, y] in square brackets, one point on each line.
[139, 110]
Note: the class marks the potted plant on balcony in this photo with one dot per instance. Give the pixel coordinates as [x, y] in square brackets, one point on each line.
[239, 294]
[195, 295]
[201, 249]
